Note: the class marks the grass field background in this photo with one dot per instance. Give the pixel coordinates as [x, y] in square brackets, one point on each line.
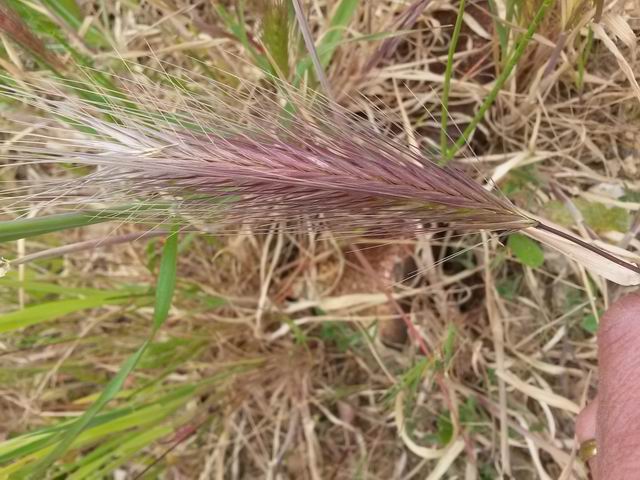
[132, 353]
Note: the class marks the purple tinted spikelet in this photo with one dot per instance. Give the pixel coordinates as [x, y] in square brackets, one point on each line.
[254, 158]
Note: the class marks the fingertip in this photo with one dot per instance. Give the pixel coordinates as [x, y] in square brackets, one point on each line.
[586, 422]
[620, 321]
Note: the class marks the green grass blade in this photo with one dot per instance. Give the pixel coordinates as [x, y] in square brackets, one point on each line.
[583, 58]
[69, 436]
[501, 30]
[164, 294]
[45, 312]
[52, 288]
[238, 28]
[444, 140]
[35, 445]
[166, 281]
[337, 26]
[142, 417]
[123, 449]
[70, 12]
[500, 81]
[328, 44]
[30, 227]
[275, 36]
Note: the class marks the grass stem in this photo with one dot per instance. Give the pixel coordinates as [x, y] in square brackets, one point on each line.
[521, 46]
[590, 247]
[444, 139]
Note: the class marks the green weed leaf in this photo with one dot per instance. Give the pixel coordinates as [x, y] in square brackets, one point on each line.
[526, 250]
[590, 323]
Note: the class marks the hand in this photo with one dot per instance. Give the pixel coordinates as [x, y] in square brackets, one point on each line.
[613, 418]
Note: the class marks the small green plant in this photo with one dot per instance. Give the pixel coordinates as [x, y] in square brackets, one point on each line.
[526, 250]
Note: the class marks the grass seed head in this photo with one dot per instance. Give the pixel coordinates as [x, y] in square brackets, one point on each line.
[255, 157]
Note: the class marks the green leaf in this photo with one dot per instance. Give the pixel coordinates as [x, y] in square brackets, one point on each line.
[17, 453]
[526, 250]
[448, 347]
[602, 218]
[275, 35]
[557, 212]
[630, 196]
[520, 181]
[444, 428]
[340, 334]
[590, 323]
[69, 436]
[123, 449]
[29, 227]
[10, 282]
[508, 287]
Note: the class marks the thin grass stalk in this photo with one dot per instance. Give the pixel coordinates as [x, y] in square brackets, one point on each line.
[521, 47]
[453, 45]
[89, 245]
[311, 48]
[583, 59]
